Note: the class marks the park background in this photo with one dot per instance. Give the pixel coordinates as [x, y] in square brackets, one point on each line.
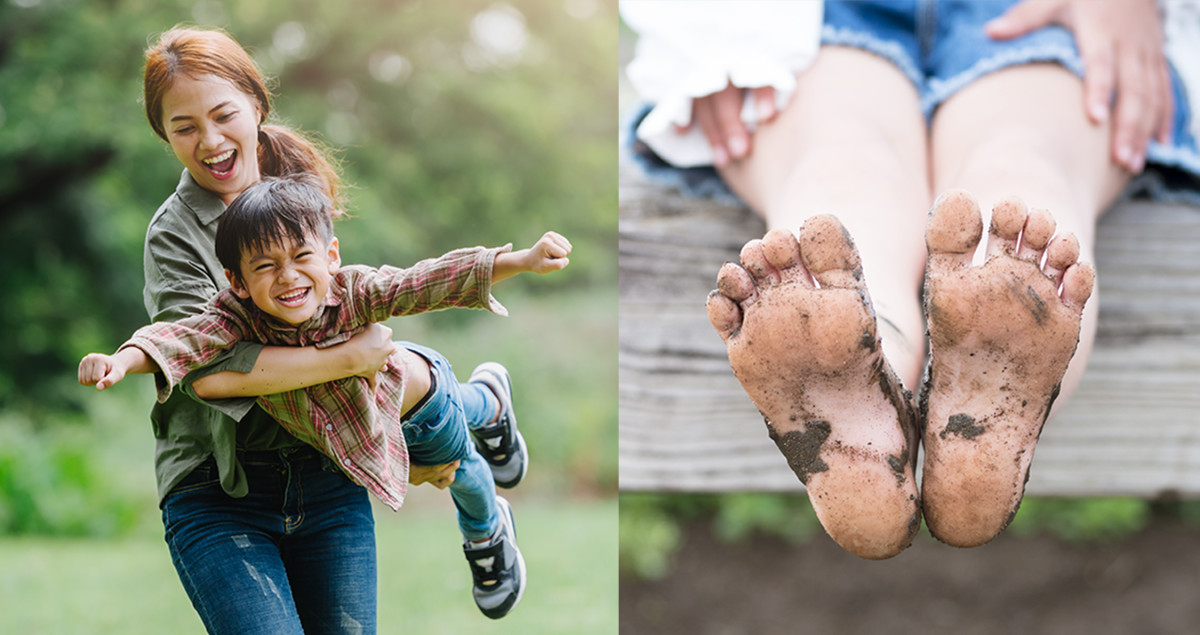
[458, 123]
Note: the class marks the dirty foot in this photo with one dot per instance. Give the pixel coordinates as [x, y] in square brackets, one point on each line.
[810, 360]
[1001, 335]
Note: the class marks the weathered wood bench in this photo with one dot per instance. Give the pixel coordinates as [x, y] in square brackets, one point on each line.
[1132, 428]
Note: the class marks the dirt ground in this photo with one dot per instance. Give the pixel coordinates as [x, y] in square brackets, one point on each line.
[1148, 584]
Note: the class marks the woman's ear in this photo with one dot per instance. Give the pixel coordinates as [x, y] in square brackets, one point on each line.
[235, 284]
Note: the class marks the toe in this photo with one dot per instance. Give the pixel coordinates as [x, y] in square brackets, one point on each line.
[755, 261]
[1039, 228]
[735, 283]
[1078, 281]
[829, 254]
[953, 230]
[724, 314]
[782, 251]
[1008, 218]
[1062, 252]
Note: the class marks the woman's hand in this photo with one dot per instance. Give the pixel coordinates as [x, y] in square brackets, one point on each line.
[441, 476]
[719, 117]
[1121, 43]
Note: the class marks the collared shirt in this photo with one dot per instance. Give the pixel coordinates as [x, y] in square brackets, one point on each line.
[359, 429]
[182, 275]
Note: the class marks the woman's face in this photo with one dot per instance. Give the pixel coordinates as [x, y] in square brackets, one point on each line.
[212, 127]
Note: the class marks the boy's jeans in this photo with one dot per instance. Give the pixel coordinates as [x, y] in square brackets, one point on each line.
[297, 554]
[437, 432]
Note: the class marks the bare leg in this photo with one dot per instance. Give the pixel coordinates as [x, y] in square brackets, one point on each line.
[800, 329]
[852, 143]
[1002, 333]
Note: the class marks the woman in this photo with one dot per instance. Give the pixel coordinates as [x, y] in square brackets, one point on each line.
[266, 535]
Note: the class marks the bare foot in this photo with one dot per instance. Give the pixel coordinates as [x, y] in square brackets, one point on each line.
[810, 360]
[1001, 335]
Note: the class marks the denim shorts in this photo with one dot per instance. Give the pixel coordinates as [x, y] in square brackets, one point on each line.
[941, 46]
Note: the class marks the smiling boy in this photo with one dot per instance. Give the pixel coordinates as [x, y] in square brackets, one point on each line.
[287, 287]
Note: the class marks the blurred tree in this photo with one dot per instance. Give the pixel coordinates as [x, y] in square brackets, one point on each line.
[458, 122]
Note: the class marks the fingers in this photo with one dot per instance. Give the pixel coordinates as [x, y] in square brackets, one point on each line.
[764, 103]
[1131, 121]
[110, 379]
[555, 245]
[719, 118]
[1099, 78]
[96, 369]
[1024, 17]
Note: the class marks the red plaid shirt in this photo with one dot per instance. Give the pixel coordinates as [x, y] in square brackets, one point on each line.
[359, 430]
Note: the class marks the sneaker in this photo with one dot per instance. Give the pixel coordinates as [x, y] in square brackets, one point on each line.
[500, 442]
[498, 568]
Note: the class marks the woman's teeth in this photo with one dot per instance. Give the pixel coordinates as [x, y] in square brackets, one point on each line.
[221, 164]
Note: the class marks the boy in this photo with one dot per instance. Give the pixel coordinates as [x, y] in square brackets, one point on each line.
[277, 245]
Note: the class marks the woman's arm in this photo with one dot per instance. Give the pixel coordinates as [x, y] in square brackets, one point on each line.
[284, 368]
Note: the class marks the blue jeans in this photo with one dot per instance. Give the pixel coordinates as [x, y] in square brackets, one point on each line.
[296, 555]
[437, 432]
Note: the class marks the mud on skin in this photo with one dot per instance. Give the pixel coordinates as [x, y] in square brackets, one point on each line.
[1001, 336]
[802, 340]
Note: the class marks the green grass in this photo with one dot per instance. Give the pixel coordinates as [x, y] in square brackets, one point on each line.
[129, 585]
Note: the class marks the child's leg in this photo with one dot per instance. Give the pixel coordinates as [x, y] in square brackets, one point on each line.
[437, 433]
[1017, 132]
[851, 144]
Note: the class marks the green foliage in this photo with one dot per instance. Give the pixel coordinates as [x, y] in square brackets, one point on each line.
[1082, 519]
[789, 517]
[649, 536]
[51, 486]
[650, 523]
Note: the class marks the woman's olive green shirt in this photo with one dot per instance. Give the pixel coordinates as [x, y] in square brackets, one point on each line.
[182, 274]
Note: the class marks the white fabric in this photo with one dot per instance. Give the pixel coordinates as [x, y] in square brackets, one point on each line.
[1181, 23]
[692, 49]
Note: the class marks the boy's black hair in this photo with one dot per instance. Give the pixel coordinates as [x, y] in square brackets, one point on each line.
[269, 212]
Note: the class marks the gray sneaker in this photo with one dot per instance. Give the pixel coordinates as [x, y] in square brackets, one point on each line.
[498, 568]
[501, 443]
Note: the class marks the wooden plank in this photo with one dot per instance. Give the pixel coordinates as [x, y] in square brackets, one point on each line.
[1133, 427]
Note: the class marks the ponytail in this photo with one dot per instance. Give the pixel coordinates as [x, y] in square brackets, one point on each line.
[285, 152]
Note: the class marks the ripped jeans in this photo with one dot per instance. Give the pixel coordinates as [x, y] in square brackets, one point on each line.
[296, 555]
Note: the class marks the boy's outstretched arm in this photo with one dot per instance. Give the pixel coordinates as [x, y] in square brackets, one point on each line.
[105, 370]
[548, 254]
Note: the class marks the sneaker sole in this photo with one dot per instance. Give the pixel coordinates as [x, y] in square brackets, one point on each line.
[490, 373]
[512, 525]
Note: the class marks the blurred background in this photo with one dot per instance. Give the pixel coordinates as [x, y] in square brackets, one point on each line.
[760, 563]
[458, 123]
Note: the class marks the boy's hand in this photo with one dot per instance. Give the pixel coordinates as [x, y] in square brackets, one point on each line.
[100, 370]
[442, 476]
[549, 253]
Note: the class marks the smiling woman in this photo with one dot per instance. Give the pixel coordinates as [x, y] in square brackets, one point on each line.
[213, 130]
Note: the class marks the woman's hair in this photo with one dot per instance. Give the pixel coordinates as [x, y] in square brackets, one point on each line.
[273, 212]
[194, 52]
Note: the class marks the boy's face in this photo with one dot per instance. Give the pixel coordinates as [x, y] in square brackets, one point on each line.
[288, 281]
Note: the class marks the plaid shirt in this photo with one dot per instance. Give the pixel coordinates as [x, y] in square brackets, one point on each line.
[359, 430]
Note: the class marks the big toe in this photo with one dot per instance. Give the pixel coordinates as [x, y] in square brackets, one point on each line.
[953, 230]
[829, 253]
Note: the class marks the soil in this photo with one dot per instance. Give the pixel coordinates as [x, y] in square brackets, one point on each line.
[1146, 584]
